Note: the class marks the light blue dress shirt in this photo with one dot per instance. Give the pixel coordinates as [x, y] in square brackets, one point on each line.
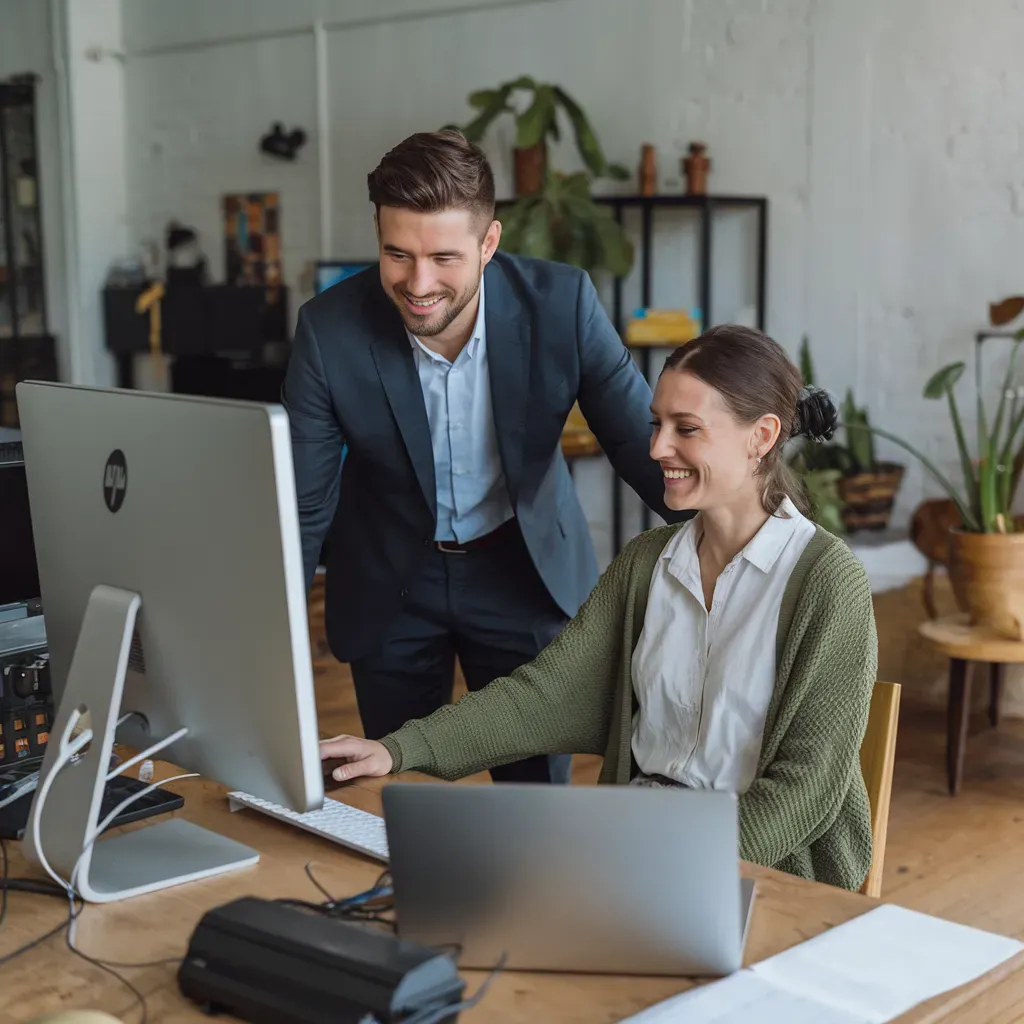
[472, 499]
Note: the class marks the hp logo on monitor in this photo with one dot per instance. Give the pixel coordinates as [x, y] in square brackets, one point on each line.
[115, 480]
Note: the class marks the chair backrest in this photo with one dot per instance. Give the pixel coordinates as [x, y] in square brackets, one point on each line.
[877, 758]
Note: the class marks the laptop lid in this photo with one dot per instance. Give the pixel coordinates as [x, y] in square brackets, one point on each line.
[621, 880]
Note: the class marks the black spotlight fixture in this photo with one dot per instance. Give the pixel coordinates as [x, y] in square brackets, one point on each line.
[284, 145]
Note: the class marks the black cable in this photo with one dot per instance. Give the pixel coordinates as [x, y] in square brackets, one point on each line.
[72, 915]
[35, 887]
[312, 878]
[35, 942]
[42, 888]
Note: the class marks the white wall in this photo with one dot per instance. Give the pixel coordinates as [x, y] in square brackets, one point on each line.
[26, 45]
[886, 137]
[97, 122]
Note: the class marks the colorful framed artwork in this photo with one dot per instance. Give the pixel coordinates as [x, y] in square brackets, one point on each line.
[252, 239]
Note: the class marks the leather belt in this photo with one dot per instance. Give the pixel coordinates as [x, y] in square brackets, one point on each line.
[488, 540]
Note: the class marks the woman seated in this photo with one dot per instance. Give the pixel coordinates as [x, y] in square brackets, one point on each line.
[735, 651]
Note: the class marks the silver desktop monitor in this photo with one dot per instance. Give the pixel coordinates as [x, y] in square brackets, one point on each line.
[170, 564]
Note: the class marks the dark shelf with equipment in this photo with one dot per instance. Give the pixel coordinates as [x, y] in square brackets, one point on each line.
[27, 349]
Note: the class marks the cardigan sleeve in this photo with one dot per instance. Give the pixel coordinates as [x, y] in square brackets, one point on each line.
[559, 703]
[822, 716]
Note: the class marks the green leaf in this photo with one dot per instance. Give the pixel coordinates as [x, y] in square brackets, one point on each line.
[497, 103]
[861, 441]
[513, 221]
[943, 380]
[1001, 409]
[966, 466]
[552, 127]
[477, 128]
[982, 423]
[586, 140]
[618, 172]
[806, 363]
[821, 486]
[536, 239]
[482, 98]
[988, 494]
[616, 248]
[533, 122]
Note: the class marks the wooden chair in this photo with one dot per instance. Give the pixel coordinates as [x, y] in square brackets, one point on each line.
[877, 758]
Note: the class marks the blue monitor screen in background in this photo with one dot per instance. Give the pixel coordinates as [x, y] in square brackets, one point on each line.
[330, 272]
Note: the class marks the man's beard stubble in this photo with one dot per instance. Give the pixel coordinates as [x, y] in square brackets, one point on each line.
[453, 309]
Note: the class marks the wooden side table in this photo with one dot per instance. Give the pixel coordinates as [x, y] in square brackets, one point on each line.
[966, 645]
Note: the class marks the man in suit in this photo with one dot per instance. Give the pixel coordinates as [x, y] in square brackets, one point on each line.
[448, 372]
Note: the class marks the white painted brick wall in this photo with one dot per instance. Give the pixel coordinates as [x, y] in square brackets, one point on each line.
[886, 135]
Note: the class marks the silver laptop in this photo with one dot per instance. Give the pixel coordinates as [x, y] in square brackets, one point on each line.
[618, 880]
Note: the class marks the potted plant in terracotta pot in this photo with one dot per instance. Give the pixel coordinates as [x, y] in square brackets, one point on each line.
[554, 215]
[986, 555]
[535, 124]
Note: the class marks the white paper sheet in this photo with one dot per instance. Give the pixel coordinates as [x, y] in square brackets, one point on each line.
[742, 998]
[867, 971]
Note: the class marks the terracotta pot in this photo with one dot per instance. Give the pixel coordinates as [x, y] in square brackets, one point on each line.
[869, 497]
[530, 165]
[987, 574]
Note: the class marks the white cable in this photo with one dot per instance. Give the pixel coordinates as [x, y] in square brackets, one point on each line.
[68, 751]
[67, 755]
[155, 749]
[104, 824]
[87, 846]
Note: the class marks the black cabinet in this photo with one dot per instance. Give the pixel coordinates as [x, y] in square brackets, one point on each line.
[196, 321]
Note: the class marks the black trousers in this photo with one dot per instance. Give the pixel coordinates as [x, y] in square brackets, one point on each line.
[489, 608]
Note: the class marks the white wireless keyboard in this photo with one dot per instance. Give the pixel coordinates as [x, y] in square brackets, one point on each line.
[358, 830]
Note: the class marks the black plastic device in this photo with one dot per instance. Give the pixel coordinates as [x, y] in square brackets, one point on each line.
[277, 963]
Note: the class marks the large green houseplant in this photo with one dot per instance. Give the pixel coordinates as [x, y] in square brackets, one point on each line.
[554, 215]
[986, 555]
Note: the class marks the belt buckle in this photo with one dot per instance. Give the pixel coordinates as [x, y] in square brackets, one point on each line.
[440, 544]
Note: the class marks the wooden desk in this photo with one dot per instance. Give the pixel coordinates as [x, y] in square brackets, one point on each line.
[788, 910]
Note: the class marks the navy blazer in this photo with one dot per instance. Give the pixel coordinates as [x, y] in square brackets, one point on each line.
[352, 381]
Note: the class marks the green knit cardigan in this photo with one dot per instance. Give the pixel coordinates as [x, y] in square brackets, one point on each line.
[807, 810]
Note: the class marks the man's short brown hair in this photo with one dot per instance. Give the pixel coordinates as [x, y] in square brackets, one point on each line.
[434, 171]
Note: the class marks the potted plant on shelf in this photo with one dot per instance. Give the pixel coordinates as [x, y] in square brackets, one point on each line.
[554, 215]
[986, 553]
[535, 124]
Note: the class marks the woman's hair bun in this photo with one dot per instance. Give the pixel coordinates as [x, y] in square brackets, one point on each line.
[816, 415]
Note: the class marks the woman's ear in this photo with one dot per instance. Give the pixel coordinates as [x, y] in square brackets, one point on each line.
[766, 433]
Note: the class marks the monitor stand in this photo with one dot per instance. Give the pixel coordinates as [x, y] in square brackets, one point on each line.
[143, 859]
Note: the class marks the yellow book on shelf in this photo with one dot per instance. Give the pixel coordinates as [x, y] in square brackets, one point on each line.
[661, 327]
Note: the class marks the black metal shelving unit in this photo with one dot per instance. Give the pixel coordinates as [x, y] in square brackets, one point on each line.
[26, 347]
[705, 207]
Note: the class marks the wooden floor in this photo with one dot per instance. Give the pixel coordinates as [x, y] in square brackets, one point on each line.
[961, 858]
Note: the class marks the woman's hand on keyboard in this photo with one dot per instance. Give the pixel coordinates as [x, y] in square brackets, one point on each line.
[360, 757]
